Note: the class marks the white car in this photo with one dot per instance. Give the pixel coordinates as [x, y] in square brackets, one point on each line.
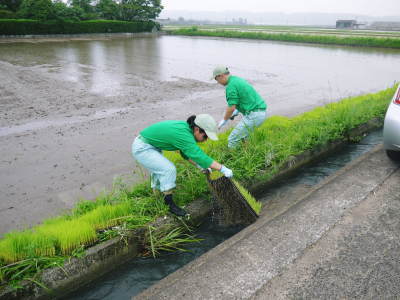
[391, 128]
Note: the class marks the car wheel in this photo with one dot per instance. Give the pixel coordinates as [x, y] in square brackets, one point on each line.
[395, 155]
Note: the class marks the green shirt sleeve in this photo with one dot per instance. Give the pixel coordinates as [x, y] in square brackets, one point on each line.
[193, 152]
[183, 155]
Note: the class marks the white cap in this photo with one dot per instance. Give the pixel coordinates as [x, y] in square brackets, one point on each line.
[208, 124]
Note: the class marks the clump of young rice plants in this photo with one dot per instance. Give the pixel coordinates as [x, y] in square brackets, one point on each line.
[67, 235]
[166, 239]
[106, 215]
[19, 245]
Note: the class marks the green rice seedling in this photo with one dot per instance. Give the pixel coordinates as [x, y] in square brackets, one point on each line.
[69, 234]
[106, 216]
[255, 205]
[215, 175]
[18, 245]
[166, 239]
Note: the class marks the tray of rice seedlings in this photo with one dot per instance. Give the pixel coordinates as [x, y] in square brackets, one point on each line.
[106, 216]
[17, 246]
[237, 205]
[68, 235]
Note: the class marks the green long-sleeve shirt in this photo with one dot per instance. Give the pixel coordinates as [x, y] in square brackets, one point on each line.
[176, 135]
[240, 93]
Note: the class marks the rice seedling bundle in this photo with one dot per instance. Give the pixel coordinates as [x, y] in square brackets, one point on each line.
[237, 204]
[166, 239]
[106, 216]
[69, 234]
[20, 245]
[255, 205]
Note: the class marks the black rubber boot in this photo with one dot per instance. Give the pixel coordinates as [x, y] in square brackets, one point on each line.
[173, 208]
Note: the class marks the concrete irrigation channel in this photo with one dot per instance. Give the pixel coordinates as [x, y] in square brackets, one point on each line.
[340, 240]
[252, 259]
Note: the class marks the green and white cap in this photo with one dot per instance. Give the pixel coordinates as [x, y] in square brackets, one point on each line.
[208, 124]
[219, 70]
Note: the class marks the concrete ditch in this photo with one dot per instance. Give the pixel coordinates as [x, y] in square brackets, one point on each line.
[339, 241]
[103, 257]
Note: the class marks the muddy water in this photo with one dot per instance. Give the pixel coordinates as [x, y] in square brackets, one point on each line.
[70, 109]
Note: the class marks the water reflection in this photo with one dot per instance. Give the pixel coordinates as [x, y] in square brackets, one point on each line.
[280, 71]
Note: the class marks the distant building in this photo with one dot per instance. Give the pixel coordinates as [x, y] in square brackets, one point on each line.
[347, 24]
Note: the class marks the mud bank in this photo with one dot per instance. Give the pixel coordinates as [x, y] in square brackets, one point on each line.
[101, 258]
[63, 139]
[41, 38]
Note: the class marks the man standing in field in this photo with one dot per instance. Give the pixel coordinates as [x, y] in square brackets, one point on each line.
[241, 98]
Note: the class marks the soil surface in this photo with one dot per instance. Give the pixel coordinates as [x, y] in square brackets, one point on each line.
[61, 142]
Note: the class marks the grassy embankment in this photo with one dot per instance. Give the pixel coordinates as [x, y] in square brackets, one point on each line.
[361, 41]
[24, 254]
[287, 29]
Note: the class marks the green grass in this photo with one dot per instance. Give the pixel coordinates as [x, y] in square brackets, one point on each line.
[363, 41]
[264, 153]
[286, 29]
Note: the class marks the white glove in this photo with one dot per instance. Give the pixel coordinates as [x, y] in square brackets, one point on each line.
[227, 172]
[234, 114]
[222, 123]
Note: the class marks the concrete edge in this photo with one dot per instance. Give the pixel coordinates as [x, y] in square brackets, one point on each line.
[103, 257]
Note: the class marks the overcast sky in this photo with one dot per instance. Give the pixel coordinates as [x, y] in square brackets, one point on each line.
[365, 7]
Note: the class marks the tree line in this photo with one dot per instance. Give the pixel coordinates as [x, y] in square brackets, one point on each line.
[81, 10]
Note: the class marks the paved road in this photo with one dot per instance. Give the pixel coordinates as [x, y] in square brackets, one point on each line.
[340, 240]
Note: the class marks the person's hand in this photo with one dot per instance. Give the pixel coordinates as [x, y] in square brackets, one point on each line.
[203, 170]
[234, 114]
[227, 172]
[206, 171]
[222, 123]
